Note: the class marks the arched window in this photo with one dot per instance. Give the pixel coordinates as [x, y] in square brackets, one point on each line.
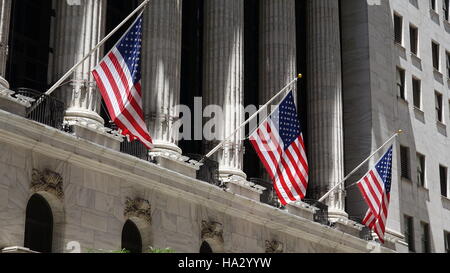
[205, 248]
[131, 237]
[38, 225]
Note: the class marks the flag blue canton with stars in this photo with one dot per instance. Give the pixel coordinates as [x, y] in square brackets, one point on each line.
[384, 169]
[130, 49]
[286, 121]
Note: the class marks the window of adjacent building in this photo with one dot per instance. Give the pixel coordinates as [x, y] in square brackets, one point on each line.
[398, 25]
[426, 247]
[131, 237]
[417, 93]
[404, 158]
[401, 83]
[409, 232]
[433, 5]
[447, 241]
[435, 52]
[443, 180]
[448, 64]
[446, 9]
[420, 170]
[38, 225]
[414, 39]
[439, 108]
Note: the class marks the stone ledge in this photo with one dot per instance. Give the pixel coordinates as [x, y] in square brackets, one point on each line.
[244, 188]
[17, 249]
[12, 103]
[97, 134]
[176, 163]
[302, 210]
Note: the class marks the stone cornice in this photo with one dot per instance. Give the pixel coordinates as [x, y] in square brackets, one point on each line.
[48, 141]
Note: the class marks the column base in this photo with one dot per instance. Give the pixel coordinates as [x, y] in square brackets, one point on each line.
[225, 173]
[335, 215]
[165, 147]
[4, 83]
[73, 116]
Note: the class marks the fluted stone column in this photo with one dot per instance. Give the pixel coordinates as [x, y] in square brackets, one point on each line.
[79, 27]
[5, 15]
[161, 68]
[325, 127]
[223, 77]
[278, 53]
[278, 63]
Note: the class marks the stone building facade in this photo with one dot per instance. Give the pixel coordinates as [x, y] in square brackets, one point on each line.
[84, 189]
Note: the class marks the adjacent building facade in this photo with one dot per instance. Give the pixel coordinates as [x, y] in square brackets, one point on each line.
[70, 182]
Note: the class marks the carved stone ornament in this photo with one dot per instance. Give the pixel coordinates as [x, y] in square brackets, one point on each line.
[47, 181]
[274, 247]
[212, 230]
[139, 208]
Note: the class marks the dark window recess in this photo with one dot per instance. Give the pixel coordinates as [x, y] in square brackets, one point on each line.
[426, 248]
[409, 232]
[439, 108]
[38, 225]
[447, 241]
[398, 25]
[448, 64]
[401, 83]
[131, 238]
[252, 167]
[421, 170]
[414, 39]
[405, 165]
[191, 81]
[446, 9]
[417, 96]
[443, 180]
[29, 48]
[435, 52]
[205, 248]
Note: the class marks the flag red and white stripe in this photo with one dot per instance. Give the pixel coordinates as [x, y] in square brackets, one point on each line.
[279, 144]
[375, 187]
[118, 77]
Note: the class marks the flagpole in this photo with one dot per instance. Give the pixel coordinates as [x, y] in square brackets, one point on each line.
[299, 76]
[63, 78]
[359, 166]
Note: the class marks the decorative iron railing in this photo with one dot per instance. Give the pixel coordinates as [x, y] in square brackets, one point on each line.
[49, 111]
[209, 171]
[134, 148]
[269, 196]
[321, 215]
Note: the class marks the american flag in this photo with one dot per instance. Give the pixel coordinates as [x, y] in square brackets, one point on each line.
[375, 187]
[280, 146]
[118, 77]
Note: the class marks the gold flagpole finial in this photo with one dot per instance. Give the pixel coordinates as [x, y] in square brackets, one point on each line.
[300, 76]
[400, 131]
